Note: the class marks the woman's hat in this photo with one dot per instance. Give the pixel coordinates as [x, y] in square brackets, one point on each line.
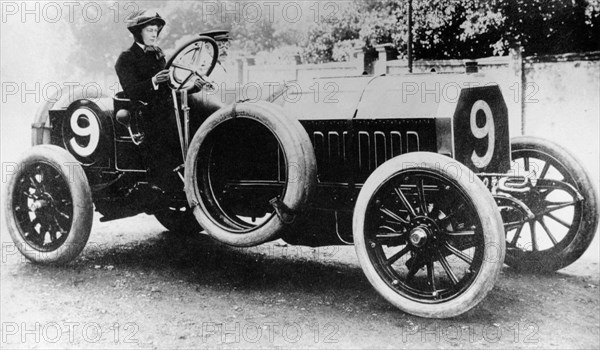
[141, 18]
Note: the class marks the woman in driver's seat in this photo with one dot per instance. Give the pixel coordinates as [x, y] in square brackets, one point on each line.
[141, 67]
[142, 75]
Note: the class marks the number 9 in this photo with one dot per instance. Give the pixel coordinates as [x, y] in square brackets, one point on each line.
[92, 130]
[481, 132]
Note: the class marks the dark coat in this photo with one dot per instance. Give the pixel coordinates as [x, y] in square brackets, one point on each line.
[135, 69]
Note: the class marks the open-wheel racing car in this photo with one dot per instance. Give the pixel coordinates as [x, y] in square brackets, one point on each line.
[434, 195]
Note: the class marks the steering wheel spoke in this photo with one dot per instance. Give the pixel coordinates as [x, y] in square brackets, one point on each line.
[181, 66]
[189, 58]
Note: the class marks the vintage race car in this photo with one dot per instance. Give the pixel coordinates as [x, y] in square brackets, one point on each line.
[432, 192]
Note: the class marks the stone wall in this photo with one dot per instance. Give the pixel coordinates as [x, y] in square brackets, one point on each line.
[562, 102]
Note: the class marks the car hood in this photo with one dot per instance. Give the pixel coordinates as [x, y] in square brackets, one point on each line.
[380, 97]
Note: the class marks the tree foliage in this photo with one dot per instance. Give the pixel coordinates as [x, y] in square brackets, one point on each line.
[541, 26]
[442, 29]
[462, 28]
[100, 42]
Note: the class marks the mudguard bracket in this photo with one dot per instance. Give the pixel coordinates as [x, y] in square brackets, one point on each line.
[285, 214]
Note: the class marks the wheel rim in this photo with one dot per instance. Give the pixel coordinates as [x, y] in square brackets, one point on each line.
[558, 213]
[220, 200]
[43, 206]
[424, 237]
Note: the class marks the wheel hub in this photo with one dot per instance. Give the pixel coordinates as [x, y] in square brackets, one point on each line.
[535, 201]
[418, 236]
[38, 205]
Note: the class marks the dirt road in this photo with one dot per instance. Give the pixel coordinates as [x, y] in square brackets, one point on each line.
[138, 287]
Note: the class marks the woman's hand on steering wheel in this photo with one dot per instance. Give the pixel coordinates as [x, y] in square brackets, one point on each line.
[202, 84]
[161, 77]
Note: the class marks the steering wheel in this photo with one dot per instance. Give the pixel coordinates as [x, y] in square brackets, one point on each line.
[196, 58]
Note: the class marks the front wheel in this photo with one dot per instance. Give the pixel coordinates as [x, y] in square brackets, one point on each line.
[428, 235]
[48, 206]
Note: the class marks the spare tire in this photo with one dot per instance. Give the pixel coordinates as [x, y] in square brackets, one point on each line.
[249, 160]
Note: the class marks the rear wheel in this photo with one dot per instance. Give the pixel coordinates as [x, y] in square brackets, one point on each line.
[48, 206]
[428, 235]
[564, 204]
